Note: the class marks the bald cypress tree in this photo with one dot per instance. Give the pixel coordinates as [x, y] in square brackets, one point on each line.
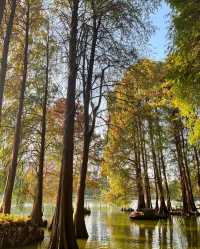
[63, 234]
[6, 45]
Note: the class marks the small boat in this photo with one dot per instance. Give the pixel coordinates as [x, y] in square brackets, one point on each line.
[145, 214]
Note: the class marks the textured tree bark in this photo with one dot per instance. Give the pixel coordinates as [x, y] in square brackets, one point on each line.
[63, 234]
[2, 9]
[37, 213]
[7, 198]
[5, 50]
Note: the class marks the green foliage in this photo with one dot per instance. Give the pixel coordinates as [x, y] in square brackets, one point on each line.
[184, 62]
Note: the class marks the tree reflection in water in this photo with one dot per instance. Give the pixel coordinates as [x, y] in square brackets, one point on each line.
[190, 230]
[111, 229]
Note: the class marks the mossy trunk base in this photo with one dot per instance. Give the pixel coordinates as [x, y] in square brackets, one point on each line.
[18, 234]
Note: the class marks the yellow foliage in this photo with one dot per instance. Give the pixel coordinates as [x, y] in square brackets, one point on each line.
[10, 218]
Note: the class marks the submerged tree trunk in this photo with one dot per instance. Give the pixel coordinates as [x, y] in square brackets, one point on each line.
[7, 198]
[5, 50]
[63, 234]
[2, 9]
[37, 213]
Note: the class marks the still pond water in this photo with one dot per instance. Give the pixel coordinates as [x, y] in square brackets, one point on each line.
[111, 229]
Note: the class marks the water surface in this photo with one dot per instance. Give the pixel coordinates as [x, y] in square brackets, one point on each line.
[111, 229]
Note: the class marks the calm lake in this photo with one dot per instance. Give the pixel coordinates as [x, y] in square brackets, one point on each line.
[111, 229]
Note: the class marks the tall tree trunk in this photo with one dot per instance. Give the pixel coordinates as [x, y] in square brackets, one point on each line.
[63, 234]
[7, 198]
[79, 220]
[198, 166]
[188, 200]
[177, 140]
[156, 190]
[140, 190]
[4, 59]
[56, 211]
[188, 181]
[146, 179]
[2, 9]
[162, 162]
[148, 203]
[163, 209]
[139, 182]
[37, 213]
[169, 206]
